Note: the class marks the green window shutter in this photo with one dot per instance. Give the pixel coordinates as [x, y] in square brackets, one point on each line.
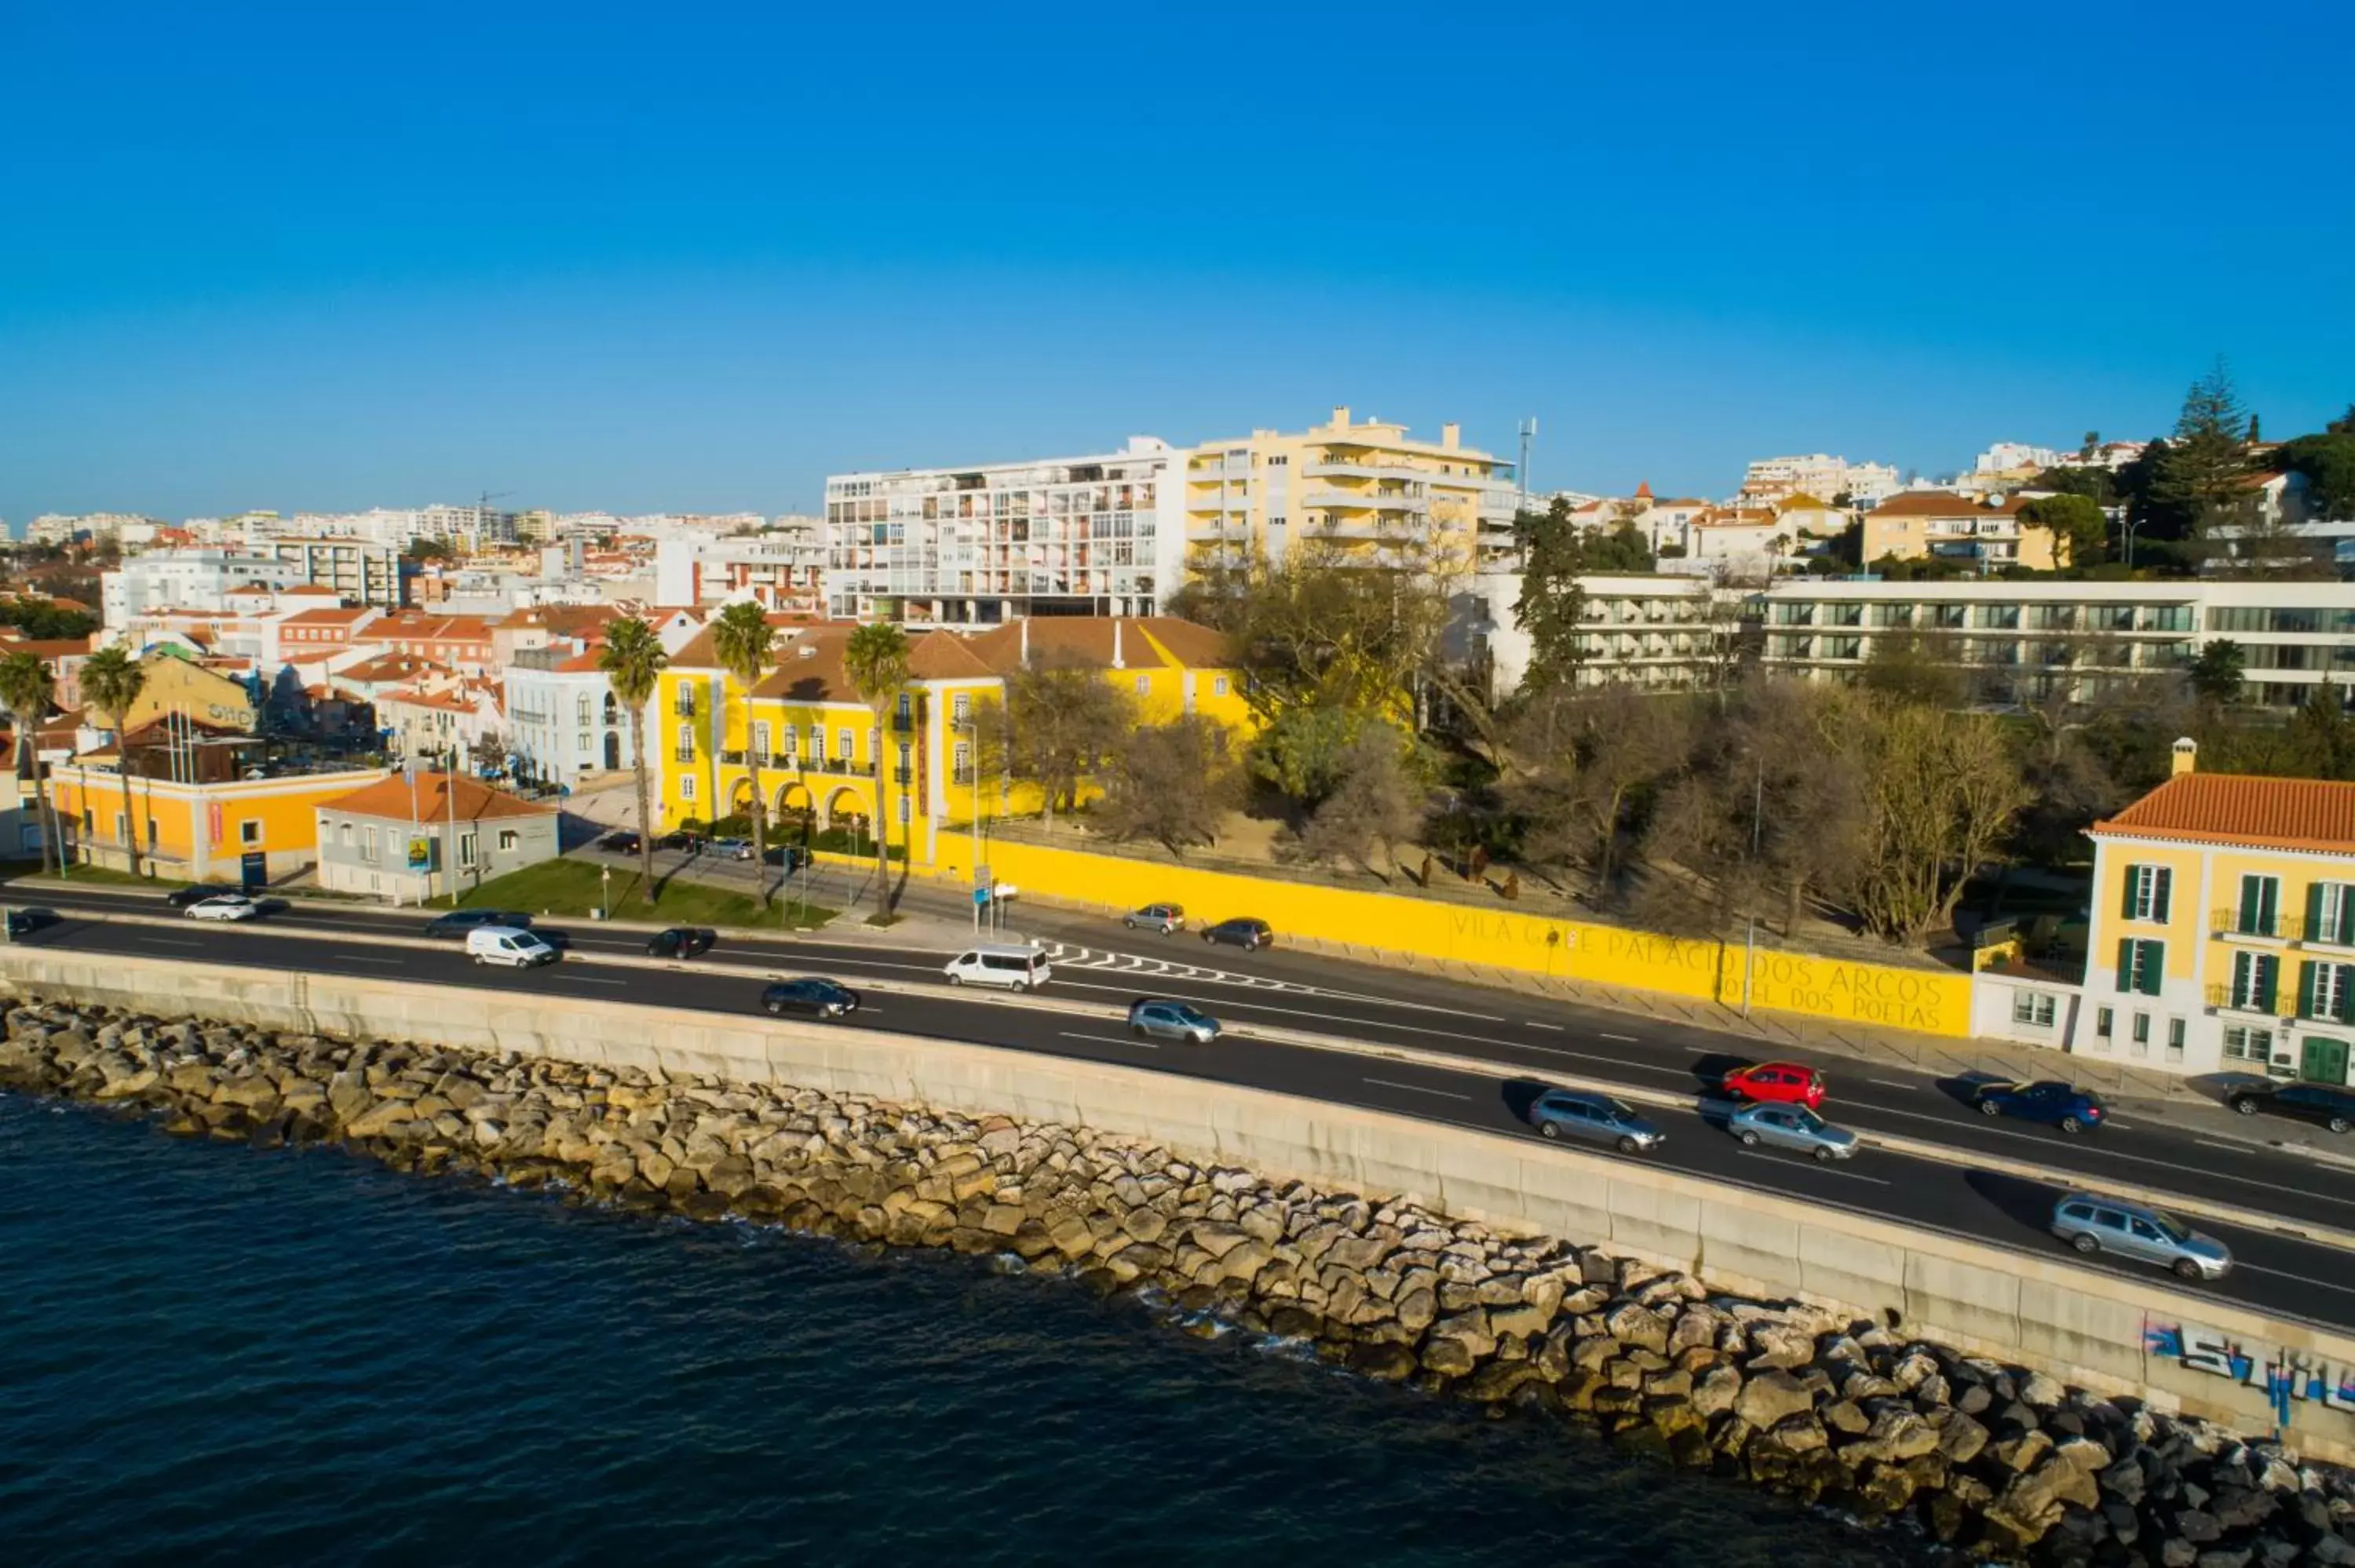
[2162, 884]
[2126, 905]
[2250, 887]
[2268, 969]
[2308, 975]
[2126, 963]
[2314, 932]
[2153, 967]
[2269, 903]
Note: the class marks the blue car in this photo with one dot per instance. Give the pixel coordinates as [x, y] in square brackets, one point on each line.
[2053, 1103]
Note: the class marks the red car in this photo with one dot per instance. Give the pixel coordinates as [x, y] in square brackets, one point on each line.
[1780, 1082]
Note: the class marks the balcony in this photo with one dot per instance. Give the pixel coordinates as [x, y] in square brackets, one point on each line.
[2257, 1003]
[1365, 499]
[683, 706]
[2228, 925]
[684, 756]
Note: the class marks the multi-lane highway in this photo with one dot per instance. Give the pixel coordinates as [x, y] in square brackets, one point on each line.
[1512, 1046]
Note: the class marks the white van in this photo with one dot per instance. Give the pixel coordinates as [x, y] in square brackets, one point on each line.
[1017, 969]
[505, 945]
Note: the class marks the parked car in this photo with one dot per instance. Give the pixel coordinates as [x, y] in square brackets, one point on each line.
[1156, 1018]
[2051, 1102]
[224, 906]
[620, 844]
[791, 858]
[1018, 969]
[2092, 1225]
[679, 841]
[1165, 918]
[510, 946]
[459, 922]
[1247, 934]
[818, 998]
[1575, 1113]
[681, 942]
[1776, 1082]
[25, 922]
[1795, 1128]
[2328, 1104]
[181, 898]
[731, 849]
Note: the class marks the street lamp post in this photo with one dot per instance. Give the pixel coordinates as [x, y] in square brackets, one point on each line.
[1757, 825]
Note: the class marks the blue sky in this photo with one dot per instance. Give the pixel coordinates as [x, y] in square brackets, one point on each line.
[697, 256]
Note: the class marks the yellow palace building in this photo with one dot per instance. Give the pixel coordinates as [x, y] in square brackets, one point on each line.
[821, 753]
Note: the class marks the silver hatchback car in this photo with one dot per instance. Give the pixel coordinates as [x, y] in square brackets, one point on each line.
[1156, 1018]
[2092, 1225]
[1575, 1113]
[1795, 1128]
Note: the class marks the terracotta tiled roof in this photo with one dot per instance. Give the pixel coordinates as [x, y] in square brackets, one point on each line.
[1086, 642]
[2239, 809]
[1944, 504]
[344, 616]
[945, 656]
[389, 799]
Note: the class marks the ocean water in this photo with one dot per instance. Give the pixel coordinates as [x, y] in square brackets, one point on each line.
[211, 1355]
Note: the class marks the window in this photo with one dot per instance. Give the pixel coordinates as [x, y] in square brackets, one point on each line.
[121, 829]
[2148, 889]
[2032, 1008]
[1218, 685]
[248, 831]
[961, 762]
[508, 840]
[849, 744]
[2142, 1033]
[817, 745]
[686, 788]
[368, 843]
[685, 750]
[2326, 990]
[2255, 977]
[2245, 1044]
[903, 810]
[466, 845]
[1144, 685]
[961, 708]
[760, 741]
[2260, 906]
[2331, 914]
[2142, 965]
[343, 835]
[2103, 1019]
[2175, 1040]
[907, 708]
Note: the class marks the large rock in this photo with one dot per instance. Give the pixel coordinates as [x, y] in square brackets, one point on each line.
[1416, 1310]
[1771, 1396]
[1960, 1438]
[1639, 1326]
[1715, 1393]
[1779, 1345]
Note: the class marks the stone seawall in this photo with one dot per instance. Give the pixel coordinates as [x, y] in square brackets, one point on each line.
[2002, 1462]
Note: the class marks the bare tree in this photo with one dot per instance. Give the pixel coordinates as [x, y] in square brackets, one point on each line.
[1942, 794]
[1173, 783]
[1062, 724]
[1377, 801]
[1591, 759]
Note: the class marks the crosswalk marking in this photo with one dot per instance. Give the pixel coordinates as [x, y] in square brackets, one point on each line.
[1067, 955]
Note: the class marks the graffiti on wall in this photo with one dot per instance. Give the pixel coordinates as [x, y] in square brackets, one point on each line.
[2286, 1377]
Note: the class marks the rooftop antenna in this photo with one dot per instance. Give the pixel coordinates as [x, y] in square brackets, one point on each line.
[1528, 434]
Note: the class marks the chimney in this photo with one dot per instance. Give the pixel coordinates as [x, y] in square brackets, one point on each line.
[2186, 759]
[1341, 416]
[1451, 436]
[1116, 661]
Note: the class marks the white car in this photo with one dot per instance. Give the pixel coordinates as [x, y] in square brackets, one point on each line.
[224, 906]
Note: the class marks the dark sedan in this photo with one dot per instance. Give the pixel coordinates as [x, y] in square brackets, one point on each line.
[792, 857]
[458, 922]
[690, 842]
[25, 922]
[2053, 1103]
[818, 998]
[2327, 1104]
[620, 844]
[1247, 935]
[681, 942]
[196, 892]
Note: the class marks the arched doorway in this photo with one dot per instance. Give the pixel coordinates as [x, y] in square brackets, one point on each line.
[613, 750]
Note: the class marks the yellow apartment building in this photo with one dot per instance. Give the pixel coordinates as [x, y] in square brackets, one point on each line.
[1914, 525]
[1363, 485]
[823, 755]
[2222, 935]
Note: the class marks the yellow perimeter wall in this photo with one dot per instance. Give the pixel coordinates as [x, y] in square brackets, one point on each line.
[1932, 1001]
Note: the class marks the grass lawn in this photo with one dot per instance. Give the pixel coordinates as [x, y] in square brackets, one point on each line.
[574, 888]
[97, 875]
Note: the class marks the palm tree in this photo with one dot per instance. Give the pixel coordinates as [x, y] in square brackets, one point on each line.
[741, 638]
[111, 681]
[875, 660]
[27, 689]
[633, 661]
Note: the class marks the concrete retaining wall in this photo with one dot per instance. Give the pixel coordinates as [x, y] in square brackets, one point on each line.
[2117, 1335]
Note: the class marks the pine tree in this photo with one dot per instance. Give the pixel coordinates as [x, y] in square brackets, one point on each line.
[1552, 603]
[2199, 473]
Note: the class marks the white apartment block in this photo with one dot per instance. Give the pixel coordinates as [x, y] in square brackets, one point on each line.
[780, 568]
[563, 720]
[199, 581]
[1826, 478]
[1081, 536]
[2017, 641]
[357, 570]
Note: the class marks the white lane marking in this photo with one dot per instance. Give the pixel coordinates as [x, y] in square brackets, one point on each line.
[2093, 1147]
[1113, 1039]
[2211, 1143]
[2117, 1126]
[1891, 1083]
[2299, 1278]
[1533, 1024]
[1624, 1039]
[1419, 1089]
[591, 980]
[1826, 1166]
[166, 942]
[362, 959]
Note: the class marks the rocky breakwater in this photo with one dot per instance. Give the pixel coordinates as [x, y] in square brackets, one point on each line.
[2001, 1463]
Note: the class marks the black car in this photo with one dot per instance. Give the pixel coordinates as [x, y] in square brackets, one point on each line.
[1248, 935]
[792, 857]
[25, 922]
[681, 942]
[458, 922]
[620, 844]
[2328, 1104]
[819, 998]
[681, 840]
[181, 898]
